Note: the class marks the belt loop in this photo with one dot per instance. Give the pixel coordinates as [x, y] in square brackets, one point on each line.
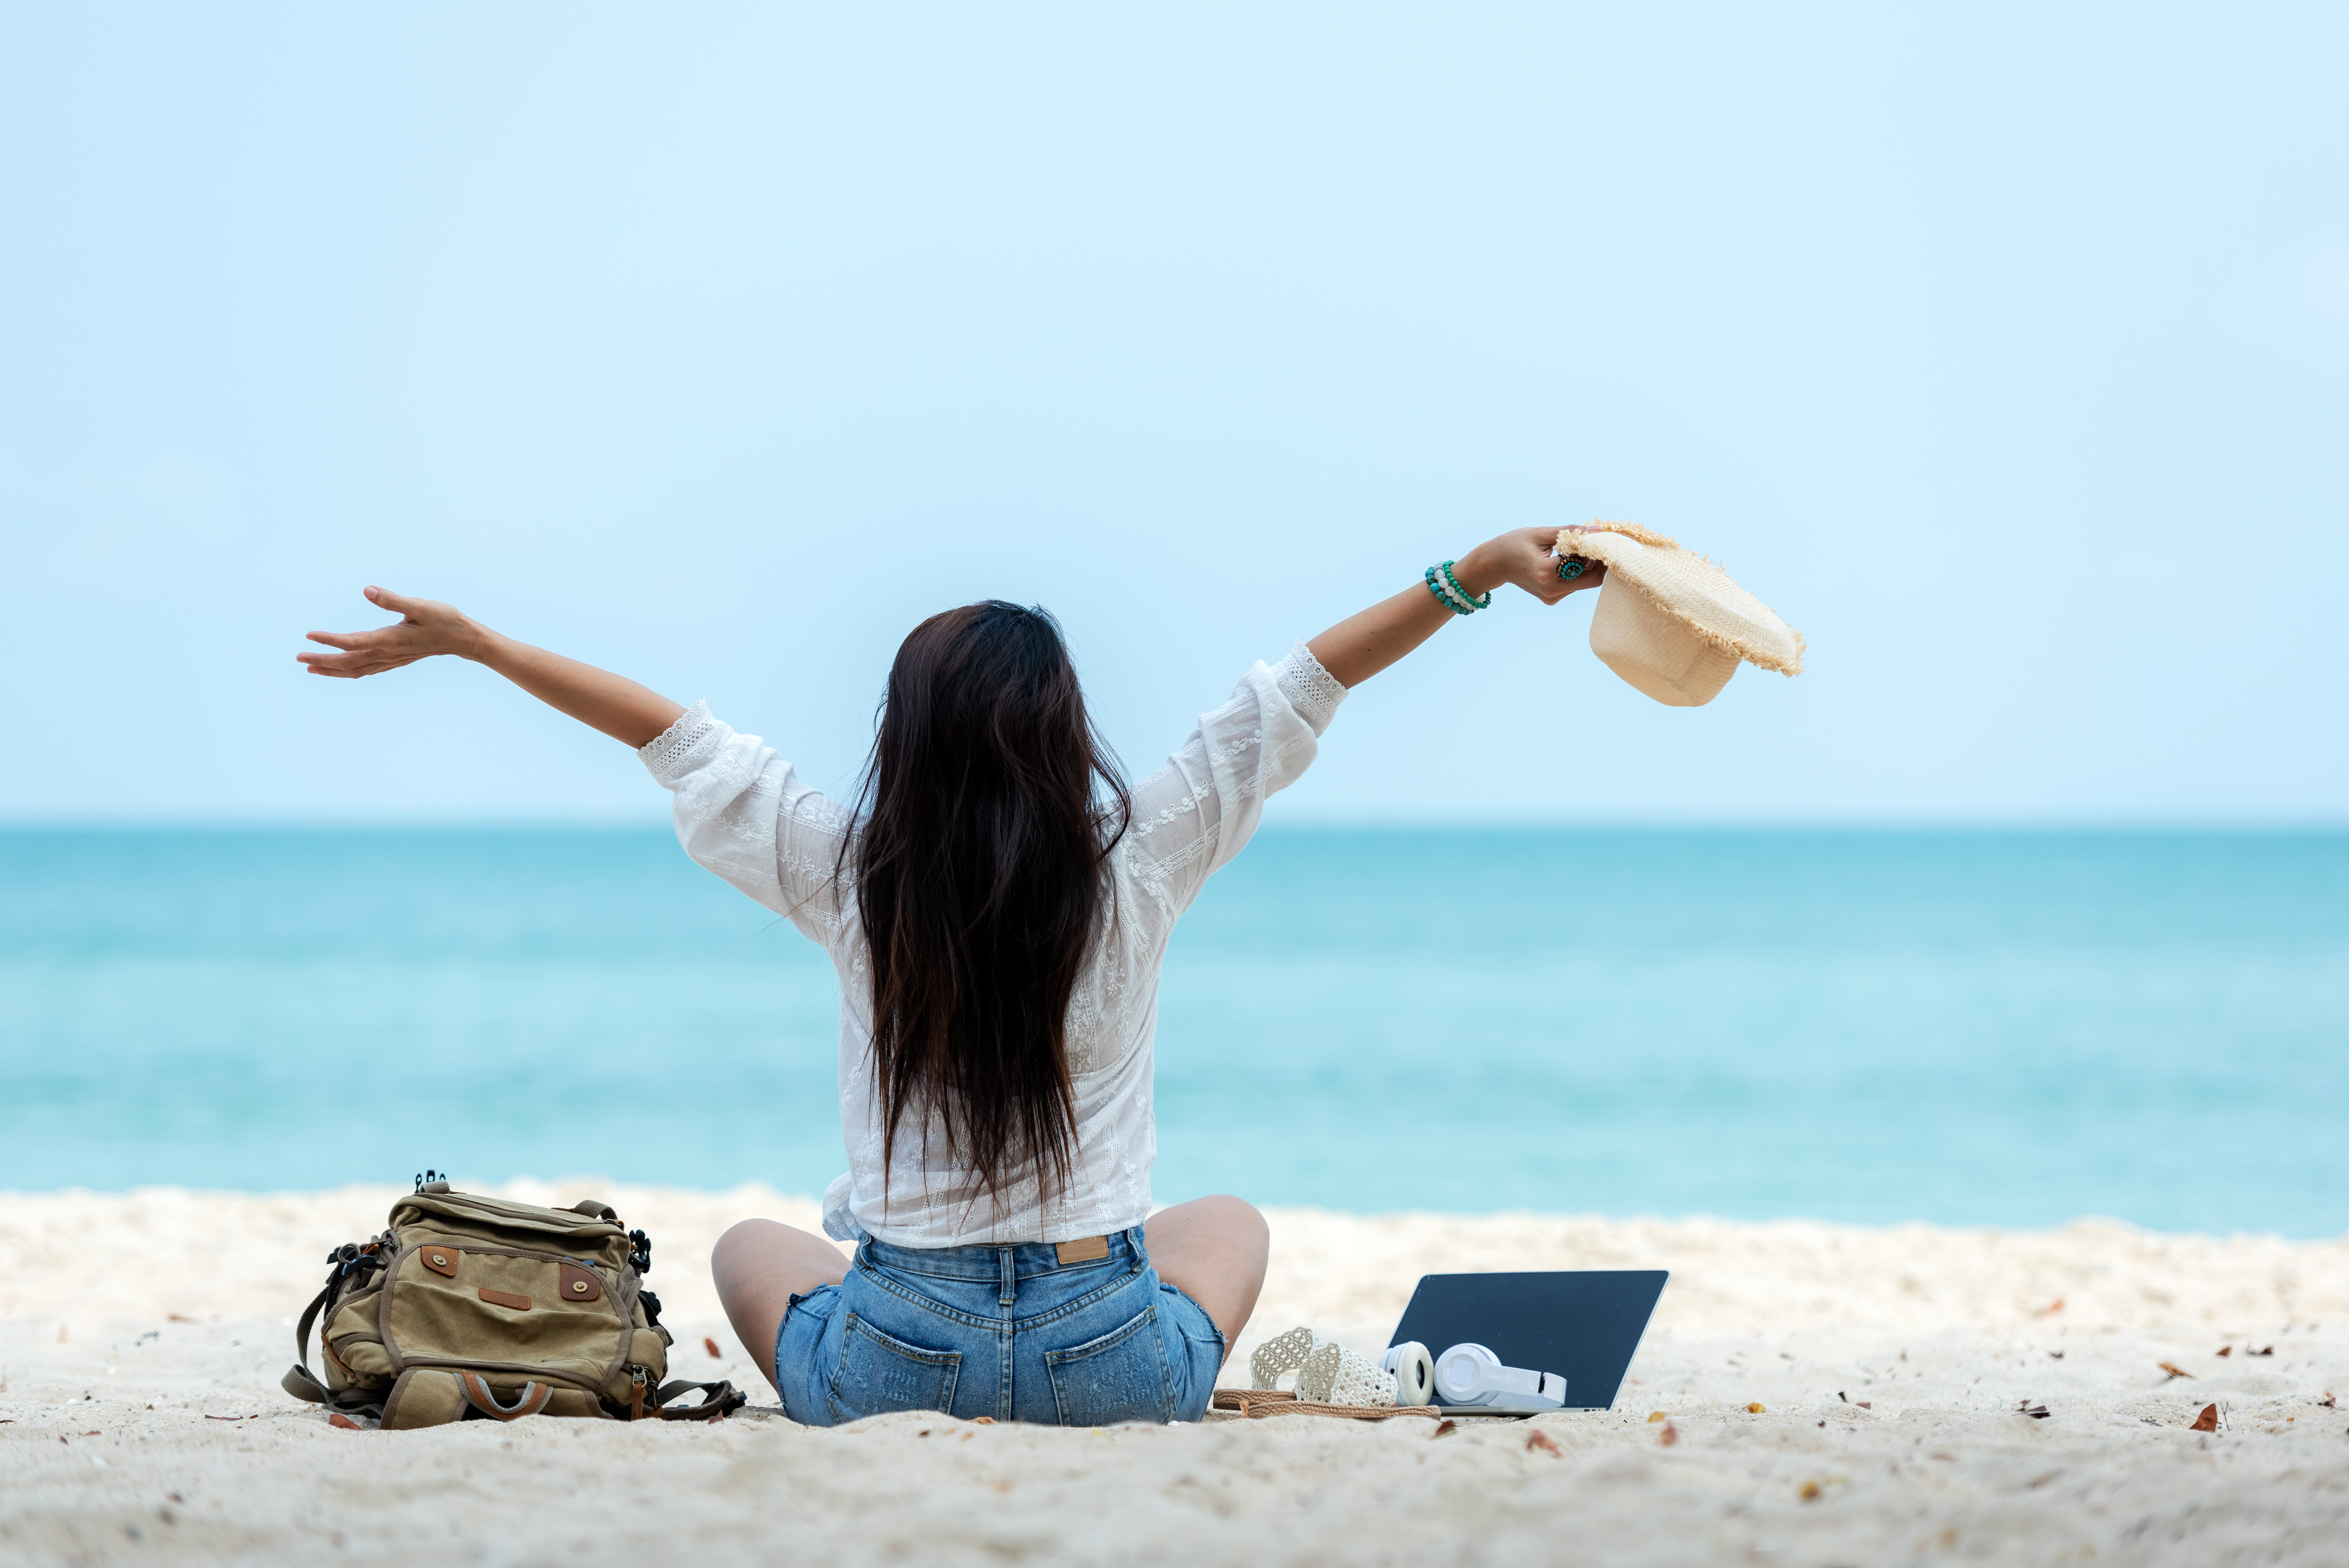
[1008, 1276]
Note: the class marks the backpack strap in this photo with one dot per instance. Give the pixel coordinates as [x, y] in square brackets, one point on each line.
[304, 1384]
[532, 1398]
[716, 1399]
[299, 1380]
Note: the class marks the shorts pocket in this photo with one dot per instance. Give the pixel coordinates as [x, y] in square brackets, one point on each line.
[1121, 1376]
[877, 1373]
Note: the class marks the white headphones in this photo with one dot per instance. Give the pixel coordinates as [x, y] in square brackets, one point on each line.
[1414, 1373]
[1469, 1375]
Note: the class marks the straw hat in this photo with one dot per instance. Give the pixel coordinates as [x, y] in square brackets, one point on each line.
[1672, 623]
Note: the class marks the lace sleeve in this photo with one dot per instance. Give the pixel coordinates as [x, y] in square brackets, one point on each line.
[742, 813]
[1312, 690]
[1195, 814]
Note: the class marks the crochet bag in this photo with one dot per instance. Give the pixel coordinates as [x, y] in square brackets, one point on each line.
[470, 1308]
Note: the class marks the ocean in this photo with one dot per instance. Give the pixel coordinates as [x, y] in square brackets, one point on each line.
[2008, 1028]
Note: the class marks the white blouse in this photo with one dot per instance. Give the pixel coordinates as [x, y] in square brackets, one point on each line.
[742, 812]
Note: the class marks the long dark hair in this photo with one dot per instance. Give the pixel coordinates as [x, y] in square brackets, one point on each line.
[990, 805]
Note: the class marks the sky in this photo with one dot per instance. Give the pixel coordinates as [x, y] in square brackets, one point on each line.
[2003, 349]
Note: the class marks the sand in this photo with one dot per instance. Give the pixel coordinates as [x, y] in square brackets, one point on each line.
[141, 1337]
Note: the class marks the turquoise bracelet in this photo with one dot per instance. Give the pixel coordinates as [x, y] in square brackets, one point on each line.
[1483, 602]
[1444, 595]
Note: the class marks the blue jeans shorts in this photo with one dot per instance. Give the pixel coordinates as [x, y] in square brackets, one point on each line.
[1008, 1331]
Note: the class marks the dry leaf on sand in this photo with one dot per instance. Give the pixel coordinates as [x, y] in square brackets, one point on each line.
[2174, 1369]
[2207, 1421]
[1539, 1440]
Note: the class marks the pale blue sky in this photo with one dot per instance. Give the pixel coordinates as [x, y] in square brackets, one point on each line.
[2005, 350]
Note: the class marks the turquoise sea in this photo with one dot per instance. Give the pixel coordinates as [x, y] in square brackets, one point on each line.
[2008, 1028]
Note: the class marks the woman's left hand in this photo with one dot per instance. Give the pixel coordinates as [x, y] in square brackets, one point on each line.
[1360, 646]
[1523, 557]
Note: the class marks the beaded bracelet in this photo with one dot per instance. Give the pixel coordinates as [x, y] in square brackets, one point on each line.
[1483, 602]
[1444, 593]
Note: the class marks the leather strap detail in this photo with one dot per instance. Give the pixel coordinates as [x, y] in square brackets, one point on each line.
[504, 1299]
[440, 1258]
[717, 1400]
[1084, 1249]
[482, 1398]
[578, 1285]
[596, 1208]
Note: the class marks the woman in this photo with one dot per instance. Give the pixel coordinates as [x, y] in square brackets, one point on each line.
[996, 904]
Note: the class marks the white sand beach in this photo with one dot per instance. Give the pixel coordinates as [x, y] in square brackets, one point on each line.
[141, 1337]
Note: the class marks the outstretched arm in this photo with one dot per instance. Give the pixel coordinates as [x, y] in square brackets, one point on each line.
[612, 703]
[1360, 646]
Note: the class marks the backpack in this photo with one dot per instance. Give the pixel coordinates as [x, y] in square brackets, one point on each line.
[470, 1308]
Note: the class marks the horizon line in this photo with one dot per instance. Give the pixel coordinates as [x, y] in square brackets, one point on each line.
[2247, 825]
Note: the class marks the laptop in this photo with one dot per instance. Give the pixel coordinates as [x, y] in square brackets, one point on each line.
[1583, 1324]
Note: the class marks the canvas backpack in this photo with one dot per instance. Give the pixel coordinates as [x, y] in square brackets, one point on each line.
[468, 1308]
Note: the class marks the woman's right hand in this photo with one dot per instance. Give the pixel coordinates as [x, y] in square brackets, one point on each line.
[426, 627]
[612, 703]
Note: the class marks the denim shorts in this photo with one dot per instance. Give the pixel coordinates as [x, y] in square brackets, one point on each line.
[1008, 1331]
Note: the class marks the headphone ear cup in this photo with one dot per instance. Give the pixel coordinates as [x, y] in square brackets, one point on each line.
[1414, 1373]
[1462, 1374]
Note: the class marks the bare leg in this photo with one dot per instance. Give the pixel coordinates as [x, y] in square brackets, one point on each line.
[1213, 1251]
[759, 1265]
